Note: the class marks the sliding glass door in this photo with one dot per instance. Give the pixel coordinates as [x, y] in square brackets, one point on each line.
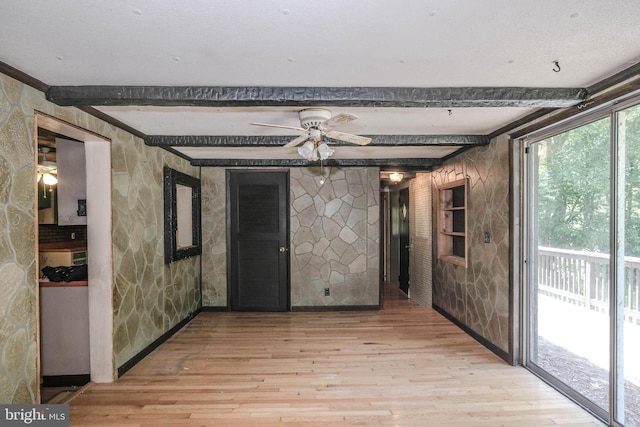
[583, 265]
[570, 246]
[627, 272]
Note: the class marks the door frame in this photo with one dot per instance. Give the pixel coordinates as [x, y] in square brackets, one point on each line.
[228, 174]
[404, 253]
[99, 244]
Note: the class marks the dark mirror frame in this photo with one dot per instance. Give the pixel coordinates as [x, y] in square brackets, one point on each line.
[172, 178]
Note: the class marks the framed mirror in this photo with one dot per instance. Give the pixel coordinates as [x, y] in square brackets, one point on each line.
[182, 233]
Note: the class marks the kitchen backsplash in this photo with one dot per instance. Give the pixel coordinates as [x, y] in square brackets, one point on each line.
[53, 233]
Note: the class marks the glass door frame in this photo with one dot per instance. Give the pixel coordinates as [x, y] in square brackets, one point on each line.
[617, 291]
[528, 269]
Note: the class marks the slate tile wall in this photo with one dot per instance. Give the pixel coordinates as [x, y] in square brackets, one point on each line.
[335, 231]
[335, 234]
[478, 296]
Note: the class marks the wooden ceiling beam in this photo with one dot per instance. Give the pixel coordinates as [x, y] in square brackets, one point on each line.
[404, 164]
[277, 141]
[396, 97]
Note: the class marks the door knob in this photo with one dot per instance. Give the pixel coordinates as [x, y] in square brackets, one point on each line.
[283, 249]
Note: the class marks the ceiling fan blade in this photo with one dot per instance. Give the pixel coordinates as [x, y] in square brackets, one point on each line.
[299, 140]
[347, 137]
[338, 120]
[279, 126]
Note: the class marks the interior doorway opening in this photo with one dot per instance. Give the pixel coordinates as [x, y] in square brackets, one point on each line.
[97, 156]
[394, 240]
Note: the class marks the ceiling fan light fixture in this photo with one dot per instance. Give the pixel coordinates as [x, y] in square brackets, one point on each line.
[324, 151]
[317, 123]
[313, 117]
[395, 177]
[308, 151]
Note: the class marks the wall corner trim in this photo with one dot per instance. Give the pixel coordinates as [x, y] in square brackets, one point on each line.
[488, 344]
[148, 349]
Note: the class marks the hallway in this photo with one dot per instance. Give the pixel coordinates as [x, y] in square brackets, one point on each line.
[405, 365]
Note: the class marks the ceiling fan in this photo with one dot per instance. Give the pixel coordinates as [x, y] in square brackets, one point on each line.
[316, 123]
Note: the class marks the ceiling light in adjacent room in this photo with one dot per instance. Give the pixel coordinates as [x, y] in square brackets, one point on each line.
[47, 170]
[395, 177]
[49, 179]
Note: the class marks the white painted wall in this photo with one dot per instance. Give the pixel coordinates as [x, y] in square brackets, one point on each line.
[98, 157]
[72, 181]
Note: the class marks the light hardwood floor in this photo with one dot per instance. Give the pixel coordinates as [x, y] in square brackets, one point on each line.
[402, 366]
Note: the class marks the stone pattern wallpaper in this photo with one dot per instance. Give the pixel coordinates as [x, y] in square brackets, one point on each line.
[149, 296]
[17, 247]
[335, 234]
[214, 237]
[478, 296]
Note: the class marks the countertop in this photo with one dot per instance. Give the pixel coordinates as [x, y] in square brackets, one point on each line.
[69, 246]
[48, 284]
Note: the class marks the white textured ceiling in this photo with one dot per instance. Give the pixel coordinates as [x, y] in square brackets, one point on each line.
[235, 121]
[330, 43]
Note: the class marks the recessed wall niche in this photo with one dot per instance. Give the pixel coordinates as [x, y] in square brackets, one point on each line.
[452, 222]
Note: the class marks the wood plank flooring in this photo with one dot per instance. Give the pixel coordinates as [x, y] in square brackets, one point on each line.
[402, 366]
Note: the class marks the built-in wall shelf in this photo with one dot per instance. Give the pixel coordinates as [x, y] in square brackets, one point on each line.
[452, 222]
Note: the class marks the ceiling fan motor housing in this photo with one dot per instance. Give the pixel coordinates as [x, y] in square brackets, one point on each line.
[313, 117]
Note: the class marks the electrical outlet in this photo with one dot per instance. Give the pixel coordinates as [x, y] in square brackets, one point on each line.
[327, 292]
[73, 236]
[487, 237]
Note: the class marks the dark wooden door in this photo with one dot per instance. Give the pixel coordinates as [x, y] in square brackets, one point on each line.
[404, 240]
[259, 224]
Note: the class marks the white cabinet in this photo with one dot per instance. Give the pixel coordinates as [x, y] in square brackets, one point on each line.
[72, 182]
[64, 325]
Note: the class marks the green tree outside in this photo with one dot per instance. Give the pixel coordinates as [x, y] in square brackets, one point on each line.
[574, 185]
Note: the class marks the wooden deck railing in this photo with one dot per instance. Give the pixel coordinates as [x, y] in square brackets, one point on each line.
[582, 278]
